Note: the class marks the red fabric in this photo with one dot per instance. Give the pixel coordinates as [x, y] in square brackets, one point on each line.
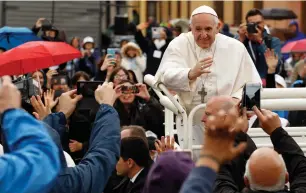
[264, 83]
[296, 46]
[36, 55]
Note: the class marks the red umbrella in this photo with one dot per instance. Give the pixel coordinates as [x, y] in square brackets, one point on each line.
[36, 55]
[296, 46]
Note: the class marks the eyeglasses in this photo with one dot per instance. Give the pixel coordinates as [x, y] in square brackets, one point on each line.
[121, 77]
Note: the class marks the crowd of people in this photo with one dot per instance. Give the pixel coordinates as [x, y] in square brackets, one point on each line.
[113, 140]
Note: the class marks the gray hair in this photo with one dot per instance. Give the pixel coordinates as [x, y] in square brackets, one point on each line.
[280, 185]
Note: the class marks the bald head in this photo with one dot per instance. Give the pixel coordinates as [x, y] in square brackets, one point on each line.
[266, 170]
[218, 103]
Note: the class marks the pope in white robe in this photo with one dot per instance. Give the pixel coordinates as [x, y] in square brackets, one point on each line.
[205, 60]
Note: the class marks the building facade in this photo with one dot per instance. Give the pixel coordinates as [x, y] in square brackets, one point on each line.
[231, 12]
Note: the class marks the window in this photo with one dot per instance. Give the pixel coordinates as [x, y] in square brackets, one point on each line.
[237, 12]
[219, 6]
[121, 8]
[151, 9]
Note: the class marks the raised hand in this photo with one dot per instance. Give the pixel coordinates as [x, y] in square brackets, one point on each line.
[41, 110]
[10, 96]
[108, 61]
[68, 101]
[200, 68]
[165, 144]
[271, 60]
[49, 96]
[219, 142]
[106, 94]
[143, 92]
[38, 23]
[269, 121]
[142, 26]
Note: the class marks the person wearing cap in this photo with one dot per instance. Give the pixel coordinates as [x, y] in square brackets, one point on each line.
[204, 63]
[50, 32]
[90, 57]
[164, 175]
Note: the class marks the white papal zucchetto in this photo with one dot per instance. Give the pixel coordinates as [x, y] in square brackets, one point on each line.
[204, 9]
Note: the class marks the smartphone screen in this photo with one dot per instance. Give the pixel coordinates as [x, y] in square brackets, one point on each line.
[88, 103]
[112, 52]
[59, 79]
[129, 89]
[156, 32]
[251, 96]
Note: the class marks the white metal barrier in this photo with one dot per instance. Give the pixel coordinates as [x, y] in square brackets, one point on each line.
[271, 99]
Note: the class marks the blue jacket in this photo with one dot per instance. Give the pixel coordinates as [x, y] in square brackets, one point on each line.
[259, 51]
[32, 164]
[92, 173]
[200, 180]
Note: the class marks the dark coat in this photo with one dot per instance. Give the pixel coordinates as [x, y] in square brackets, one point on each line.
[149, 115]
[138, 184]
[148, 47]
[294, 159]
[230, 177]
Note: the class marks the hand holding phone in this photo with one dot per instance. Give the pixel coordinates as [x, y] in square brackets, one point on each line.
[87, 88]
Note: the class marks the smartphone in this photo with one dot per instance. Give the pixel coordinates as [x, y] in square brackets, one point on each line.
[88, 103]
[268, 42]
[129, 89]
[251, 96]
[251, 28]
[112, 52]
[156, 32]
[59, 79]
[87, 88]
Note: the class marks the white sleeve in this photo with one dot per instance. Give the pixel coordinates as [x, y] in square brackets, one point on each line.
[173, 70]
[247, 73]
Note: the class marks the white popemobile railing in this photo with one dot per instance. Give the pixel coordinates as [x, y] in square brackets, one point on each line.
[271, 99]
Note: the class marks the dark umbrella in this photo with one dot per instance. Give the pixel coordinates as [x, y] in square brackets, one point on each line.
[11, 37]
[278, 14]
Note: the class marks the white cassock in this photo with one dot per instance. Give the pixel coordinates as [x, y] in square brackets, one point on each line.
[232, 67]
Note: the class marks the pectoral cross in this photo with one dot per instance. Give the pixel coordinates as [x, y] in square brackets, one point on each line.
[203, 94]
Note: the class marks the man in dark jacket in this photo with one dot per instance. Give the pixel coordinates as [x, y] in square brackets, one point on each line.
[134, 164]
[283, 144]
